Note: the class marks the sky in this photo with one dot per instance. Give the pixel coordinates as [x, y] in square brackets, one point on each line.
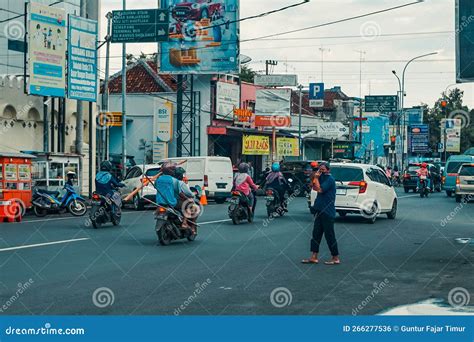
[332, 54]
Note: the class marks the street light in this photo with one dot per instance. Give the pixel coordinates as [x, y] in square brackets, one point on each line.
[403, 99]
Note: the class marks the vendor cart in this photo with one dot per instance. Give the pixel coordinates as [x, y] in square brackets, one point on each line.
[15, 185]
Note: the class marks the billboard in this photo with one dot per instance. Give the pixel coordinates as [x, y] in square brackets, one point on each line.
[46, 50]
[227, 99]
[255, 145]
[464, 30]
[273, 108]
[82, 61]
[203, 37]
[288, 147]
[451, 131]
[419, 138]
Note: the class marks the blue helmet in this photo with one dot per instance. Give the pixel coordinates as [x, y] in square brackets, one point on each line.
[276, 167]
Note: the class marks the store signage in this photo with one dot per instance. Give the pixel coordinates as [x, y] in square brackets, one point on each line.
[255, 145]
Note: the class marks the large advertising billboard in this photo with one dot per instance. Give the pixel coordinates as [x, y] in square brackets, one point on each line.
[227, 99]
[46, 50]
[82, 63]
[464, 29]
[203, 37]
[273, 108]
[419, 138]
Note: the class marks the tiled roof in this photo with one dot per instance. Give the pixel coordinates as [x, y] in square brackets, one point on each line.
[142, 77]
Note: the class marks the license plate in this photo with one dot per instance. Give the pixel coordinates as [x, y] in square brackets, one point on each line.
[341, 192]
[95, 202]
[269, 198]
[221, 185]
[234, 200]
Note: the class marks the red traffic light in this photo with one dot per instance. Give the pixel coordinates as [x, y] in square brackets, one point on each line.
[393, 139]
[444, 104]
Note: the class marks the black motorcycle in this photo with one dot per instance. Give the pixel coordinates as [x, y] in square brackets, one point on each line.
[239, 208]
[424, 189]
[169, 221]
[102, 211]
[275, 205]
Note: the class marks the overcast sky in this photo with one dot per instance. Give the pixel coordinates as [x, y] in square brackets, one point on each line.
[385, 39]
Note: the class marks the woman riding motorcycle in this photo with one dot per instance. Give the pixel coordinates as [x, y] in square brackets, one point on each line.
[244, 183]
[275, 180]
[424, 173]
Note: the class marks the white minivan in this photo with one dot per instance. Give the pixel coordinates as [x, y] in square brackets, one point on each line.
[214, 173]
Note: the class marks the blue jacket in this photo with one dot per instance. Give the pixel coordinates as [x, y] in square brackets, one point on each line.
[106, 183]
[169, 190]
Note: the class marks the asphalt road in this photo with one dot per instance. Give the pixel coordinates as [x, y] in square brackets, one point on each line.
[247, 269]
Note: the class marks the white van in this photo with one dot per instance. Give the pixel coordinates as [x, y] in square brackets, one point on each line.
[214, 173]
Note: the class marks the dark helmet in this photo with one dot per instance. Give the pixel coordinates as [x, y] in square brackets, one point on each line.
[168, 169]
[179, 173]
[106, 166]
[243, 168]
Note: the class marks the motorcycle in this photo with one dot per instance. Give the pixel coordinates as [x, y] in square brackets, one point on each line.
[239, 208]
[274, 204]
[45, 202]
[169, 221]
[102, 211]
[424, 188]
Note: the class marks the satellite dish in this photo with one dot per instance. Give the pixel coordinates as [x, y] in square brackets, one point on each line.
[245, 59]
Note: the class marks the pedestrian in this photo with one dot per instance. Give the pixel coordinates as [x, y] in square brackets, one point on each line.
[324, 209]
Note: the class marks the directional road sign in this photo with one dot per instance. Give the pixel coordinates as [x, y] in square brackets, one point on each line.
[140, 26]
[381, 104]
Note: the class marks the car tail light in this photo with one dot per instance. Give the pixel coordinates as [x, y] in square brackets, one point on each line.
[362, 186]
[458, 181]
[235, 193]
[443, 179]
[269, 193]
[206, 181]
[161, 210]
[453, 174]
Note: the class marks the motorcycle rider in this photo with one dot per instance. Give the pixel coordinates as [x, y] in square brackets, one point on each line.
[106, 185]
[275, 180]
[172, 192]
[244, 183]
[423, 172]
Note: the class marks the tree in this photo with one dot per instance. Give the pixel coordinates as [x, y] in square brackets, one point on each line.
[247, 74]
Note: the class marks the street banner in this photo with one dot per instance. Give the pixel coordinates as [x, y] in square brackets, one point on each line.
[452, 129]
[203, 37]
[164, 122]
[276, 80]
[82, 59]
[419, 138]
[227, 99]
[288, 147]
[46, 50]
[273, 108]
[255, 145]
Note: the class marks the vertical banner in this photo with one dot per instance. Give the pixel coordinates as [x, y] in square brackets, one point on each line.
[288, 147]
[164, 122]
[452, 129]
[46, 50]
[82, 61]
[203, 37]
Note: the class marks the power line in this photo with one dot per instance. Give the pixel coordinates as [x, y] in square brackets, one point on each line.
[358, 61]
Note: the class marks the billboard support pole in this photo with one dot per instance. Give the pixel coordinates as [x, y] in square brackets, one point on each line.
[79, 113]
[105, 91]
[45, 125]
[179, 117]
[124, 103]
[300, 87]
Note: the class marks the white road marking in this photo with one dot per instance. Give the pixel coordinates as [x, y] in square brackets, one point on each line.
[63, 218]
[211, 222]
[42, 244]
[408, 196]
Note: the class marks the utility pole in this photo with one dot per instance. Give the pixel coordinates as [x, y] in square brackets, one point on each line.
[300, 88]
[322, 61]
[124, 103]
[361, 54]
[274, 151]
[105, 92]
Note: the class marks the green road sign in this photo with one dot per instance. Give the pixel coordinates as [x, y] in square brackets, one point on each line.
[140, 26]
[381, 104]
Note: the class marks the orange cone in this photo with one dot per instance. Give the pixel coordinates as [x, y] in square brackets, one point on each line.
[203, 199]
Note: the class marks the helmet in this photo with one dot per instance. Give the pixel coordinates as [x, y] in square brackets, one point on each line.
[179, 173]
[106, 166]
[243, 168]
[314, 165]
[276, 167]
[168, 169]
[71, 174]
[424, 165]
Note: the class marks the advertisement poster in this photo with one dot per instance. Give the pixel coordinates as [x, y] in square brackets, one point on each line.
[47, 50]
[164, 122]
[453, 134]
[24, 172]
[419, 138]
[273, 108]
[288, 147]
[82, 64]
[227, 99]
[11, 172]
[203, 37]
[255, 145]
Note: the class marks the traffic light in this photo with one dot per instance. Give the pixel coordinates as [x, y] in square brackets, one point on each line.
[393, 140]
[444, 105]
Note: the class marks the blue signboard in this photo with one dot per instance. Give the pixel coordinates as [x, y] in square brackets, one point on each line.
[203, 37]
[419, 138]
[82, 62]
[414, 116]
[316, 91]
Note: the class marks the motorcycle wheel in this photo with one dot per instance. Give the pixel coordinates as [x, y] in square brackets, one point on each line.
[116, 219]
[249, 216]
[270, 211]
[235, 218]
[96, 224]
[40, 212]
[191, 237]
[164, 236]
[77, 208]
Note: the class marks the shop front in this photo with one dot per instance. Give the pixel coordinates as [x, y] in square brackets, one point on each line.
[50, 170]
